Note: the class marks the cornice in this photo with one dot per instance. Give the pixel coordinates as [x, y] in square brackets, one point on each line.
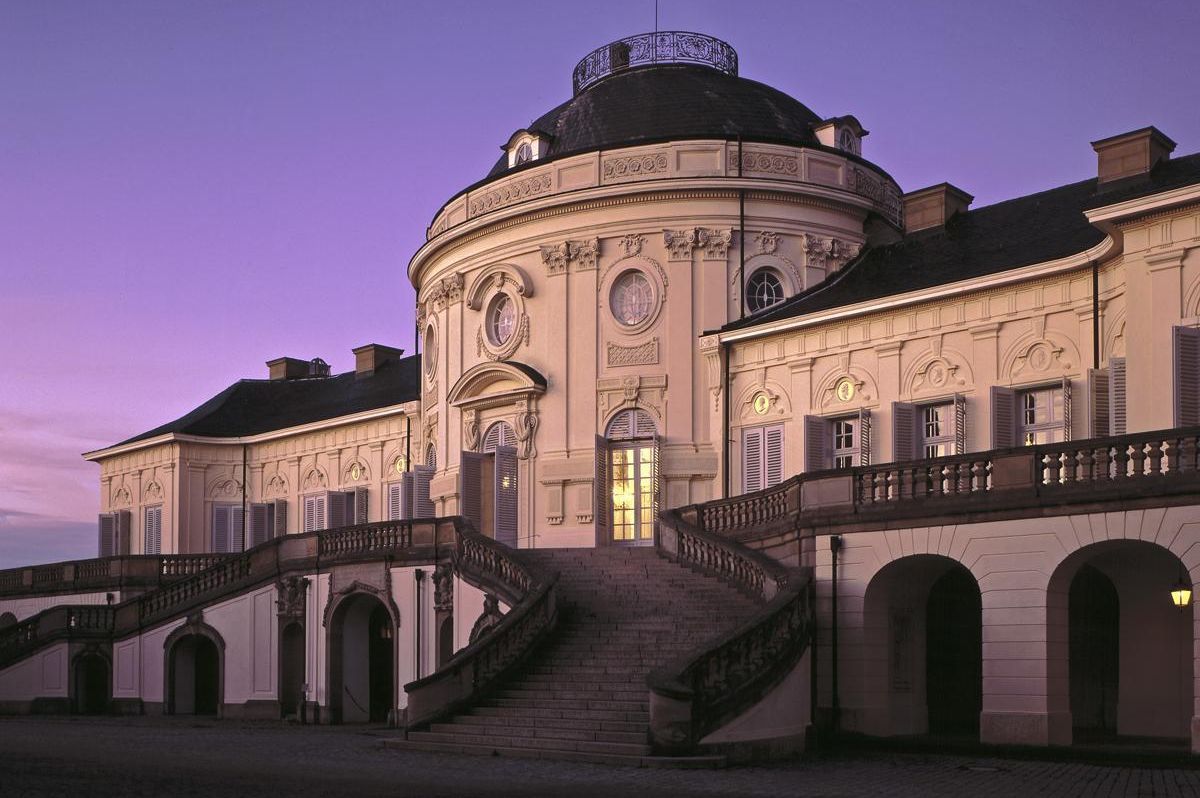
[1123, 211]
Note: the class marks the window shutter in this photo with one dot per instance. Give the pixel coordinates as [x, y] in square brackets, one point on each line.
[1187, 376]
[152, 543]
[773, 455]
[499, 434]
[310, 513]
[906, 426]
[281, 519]
[220, 528]
[1004, 417]
[237, 528]
[395, 503]
[657, 475]
[1116, 396]
[431, 457]
[124, 531]
[621, 427]
[1099, 403]
[361, 506]
[470, 488]
[506, 496]
[336, 507]
[422, 504]
[752, 459]
[108, 535]
[601, 490]
[864, 437]
[260, 524]
[407, 488]
[816, 447]
[960, 424]
[1068, 421]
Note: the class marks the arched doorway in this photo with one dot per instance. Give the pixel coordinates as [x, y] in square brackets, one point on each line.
[1126, 650]
[445, 649]
[7, 619]
[362, 672]
[923, 632]
[194, 674]
[628, 455]
[93, 683]
[291, 669]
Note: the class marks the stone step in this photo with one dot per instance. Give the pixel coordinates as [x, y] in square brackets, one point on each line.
[583, 746]
[674, 763]
[571, 704]
[463, 725]
[517, 719]
[603, 715]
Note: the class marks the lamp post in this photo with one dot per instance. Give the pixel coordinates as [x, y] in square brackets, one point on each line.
[1181, 593]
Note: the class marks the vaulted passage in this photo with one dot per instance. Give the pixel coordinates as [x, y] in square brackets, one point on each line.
[953, 654]
[194, 676]
[291, 670]
[362, 671]
[93, 684]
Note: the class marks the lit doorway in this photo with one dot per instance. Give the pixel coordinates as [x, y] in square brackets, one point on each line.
[629, 453]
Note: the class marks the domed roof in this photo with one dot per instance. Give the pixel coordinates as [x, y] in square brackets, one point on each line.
[664, 101]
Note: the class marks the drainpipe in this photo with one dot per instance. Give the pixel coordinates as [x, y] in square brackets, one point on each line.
[1096, 316]
[419, 575]
[244, 487]
[741, 238]
[835, 546]
[725, 441]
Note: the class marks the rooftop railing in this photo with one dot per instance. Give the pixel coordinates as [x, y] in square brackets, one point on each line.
[662, 47]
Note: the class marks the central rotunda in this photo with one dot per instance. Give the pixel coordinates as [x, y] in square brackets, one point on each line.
[568, 389]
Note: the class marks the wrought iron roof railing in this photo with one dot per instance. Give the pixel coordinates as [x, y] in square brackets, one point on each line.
[663, 47]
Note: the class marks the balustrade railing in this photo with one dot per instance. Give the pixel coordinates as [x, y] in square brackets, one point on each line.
[365, 540]
[661, 47]
[957, 475]
[1114, 460]
[762, 510]
[56, 623]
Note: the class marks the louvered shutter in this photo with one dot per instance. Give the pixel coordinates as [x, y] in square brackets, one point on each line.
[773, 456]
[281, 519]
[220, 528]
[336, 509]
[407, 494]
[124, 531]
[470, 488]
[152, 533]
[657, 474]
[260, 524]
[906, 436]
[1099, 403]
[621, 427]
[1116, 396]
[864, 437]
[601, 490]
[310, 513]
[497, 435]
[431, 457]
[361, 506]
[960, 424]
[506, 496]
[752, 459]
[422, 504]
[1187, 376]
[108, 535]
[395, 501]
[816, 443]
[237, 528]
[1004, 417]
[1068, 406]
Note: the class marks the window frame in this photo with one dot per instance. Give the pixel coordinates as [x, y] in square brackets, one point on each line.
[779, 282]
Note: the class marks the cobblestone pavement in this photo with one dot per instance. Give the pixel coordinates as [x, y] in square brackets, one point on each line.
[182, 757]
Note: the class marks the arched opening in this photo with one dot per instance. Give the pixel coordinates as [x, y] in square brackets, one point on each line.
[445, 648]
[194, 676]
[1125, 649]
[362, 673]
[923, 632]
[7, 619]
[93, 684]
[291, 670]
[629, 507]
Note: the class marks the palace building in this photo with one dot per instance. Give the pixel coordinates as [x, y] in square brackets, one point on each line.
[824, 453]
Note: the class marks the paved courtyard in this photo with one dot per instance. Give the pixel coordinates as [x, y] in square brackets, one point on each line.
[168, 757]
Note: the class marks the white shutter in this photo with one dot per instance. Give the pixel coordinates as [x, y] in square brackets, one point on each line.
[315, 514]
[361, 506]
[1099, 403]
[220, 528]
[906, 435]
[152, 538]
[773, 455]
[260, 523]
[601, 490]
[506, 496]
[470, 488]
[107, 525]
[1187, 376]
[816, 443]
[752, 459]
[280, 517]
[1004, 417]
[422, 504]
[395, 501]
[864, 437]
[960, 424]
[1116, 396]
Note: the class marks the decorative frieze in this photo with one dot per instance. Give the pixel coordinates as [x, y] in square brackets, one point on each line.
[639, 355]
[633, 167]
[509, 193]
[765, 163]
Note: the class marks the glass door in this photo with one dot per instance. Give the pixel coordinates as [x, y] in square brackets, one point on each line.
[633, 487]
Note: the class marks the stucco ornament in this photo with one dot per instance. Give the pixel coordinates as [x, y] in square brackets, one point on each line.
[121, 497]
[527, 424]
[276, 485]
[768, 242]
[680, 243]
[471, 431]
[715, 242]
[152, 492]
[631, 244]
[490, 617]
[225, 489]
[443, 587]
[555, 256]
[314, 479]
[292, 591]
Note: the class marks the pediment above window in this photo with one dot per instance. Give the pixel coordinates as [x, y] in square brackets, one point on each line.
[494, 384]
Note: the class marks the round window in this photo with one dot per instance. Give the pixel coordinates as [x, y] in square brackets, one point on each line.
[429, 353]
[632, 298]
[763, 290]
[501, 319]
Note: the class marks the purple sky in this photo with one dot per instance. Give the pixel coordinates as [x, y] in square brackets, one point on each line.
[190, 189]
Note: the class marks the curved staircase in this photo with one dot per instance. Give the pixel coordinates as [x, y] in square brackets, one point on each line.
[582, 695]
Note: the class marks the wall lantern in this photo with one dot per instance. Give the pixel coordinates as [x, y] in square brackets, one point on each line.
[1181, 593]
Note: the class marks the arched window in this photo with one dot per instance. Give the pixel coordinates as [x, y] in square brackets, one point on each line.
[499, 434]
[763, 290]
[627, 488]
[631, 425]
[431, 456]
[524, 154]
[429, 351]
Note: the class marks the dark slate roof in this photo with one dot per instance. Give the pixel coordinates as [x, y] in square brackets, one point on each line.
[250, 407]
[992, 239]
[667, 101]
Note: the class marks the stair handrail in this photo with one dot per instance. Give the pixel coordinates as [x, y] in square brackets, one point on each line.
[66, 621]
[121, 572]
[530, 592]
[699, 692]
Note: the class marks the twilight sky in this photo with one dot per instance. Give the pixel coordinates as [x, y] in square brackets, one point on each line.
[188, 189]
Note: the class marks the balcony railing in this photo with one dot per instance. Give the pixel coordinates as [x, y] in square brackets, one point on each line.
[662, 47]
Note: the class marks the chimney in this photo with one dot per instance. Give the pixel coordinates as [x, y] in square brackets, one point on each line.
[933, 206]
[1131, 154]
[369, 357]
[293, 368]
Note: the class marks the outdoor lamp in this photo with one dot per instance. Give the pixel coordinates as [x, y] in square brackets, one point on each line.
[1181, 593]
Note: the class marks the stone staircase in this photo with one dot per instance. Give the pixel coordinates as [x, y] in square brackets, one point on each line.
[583, 695]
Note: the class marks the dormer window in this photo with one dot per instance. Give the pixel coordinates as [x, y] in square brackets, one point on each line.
[847, 142]
[524, 153]
[525, 146]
